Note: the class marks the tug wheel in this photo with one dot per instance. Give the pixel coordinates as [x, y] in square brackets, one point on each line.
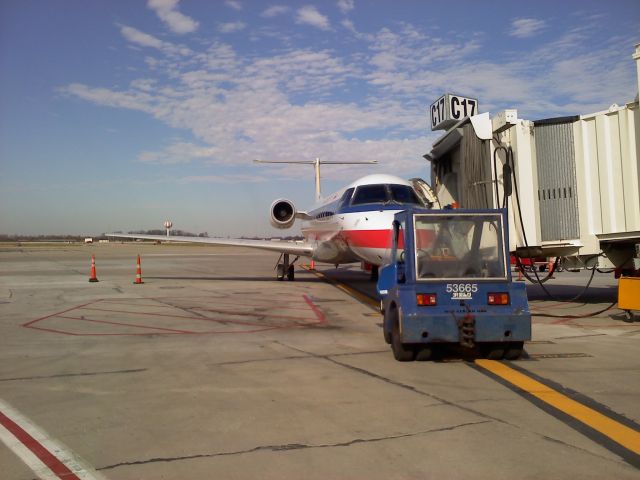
[492, 351]
[402, 352]
[424, 354]
[513, 351]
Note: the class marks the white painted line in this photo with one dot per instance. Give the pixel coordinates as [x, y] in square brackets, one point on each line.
[26, 455]
[47, 458]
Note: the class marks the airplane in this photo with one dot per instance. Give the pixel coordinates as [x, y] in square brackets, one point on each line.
[350, 225]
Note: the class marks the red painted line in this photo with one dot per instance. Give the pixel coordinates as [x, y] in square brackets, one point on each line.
[45, 456]
[295, 322]
[58, 313]
[319, 315]
[246, 324]
[207, 332]
[281, 305]
[226, 312]
[53, 330]
[172, 330]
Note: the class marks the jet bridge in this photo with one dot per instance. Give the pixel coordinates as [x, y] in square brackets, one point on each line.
[571, 184]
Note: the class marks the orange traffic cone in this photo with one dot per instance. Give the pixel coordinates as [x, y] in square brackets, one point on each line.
[138, 279]
[93, 277]
[313, 265]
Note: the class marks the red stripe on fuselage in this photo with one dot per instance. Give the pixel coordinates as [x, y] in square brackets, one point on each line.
[367, 238]
[382, 238]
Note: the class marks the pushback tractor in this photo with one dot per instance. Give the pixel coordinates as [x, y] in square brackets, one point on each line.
[449, 284]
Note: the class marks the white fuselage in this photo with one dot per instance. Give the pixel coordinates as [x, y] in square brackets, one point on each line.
[345, 230]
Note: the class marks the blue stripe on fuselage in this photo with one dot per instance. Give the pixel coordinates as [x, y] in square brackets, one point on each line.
[333, 208]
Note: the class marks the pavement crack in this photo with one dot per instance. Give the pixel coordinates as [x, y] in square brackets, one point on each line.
[81, 374]
[292, 357]
[293, 446]
[582, 450]
[189, 310]
[405, 386]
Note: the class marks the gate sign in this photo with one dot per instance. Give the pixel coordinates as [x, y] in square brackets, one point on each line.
[450, 109]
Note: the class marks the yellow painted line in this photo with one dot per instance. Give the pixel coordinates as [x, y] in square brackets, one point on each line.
[345, 288]
[621, 434]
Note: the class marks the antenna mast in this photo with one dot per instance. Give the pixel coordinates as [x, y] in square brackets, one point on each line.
[316, 163]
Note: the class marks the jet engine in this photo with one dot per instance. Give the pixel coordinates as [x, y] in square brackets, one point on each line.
[282, 213]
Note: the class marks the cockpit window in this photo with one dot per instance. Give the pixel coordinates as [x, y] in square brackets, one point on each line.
[370, 194]
[404, 194]
[346, 196]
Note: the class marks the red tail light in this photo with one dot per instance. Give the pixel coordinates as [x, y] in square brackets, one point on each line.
[426, 299]
[498, 299]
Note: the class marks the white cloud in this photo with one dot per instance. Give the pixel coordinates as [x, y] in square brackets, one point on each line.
[168, 12]
[348, 25]
[145, 40]
[140, 38]
[231, 27]
[346, 6]
[526, 27]
[179, 152]
[275, 10]
[229, 178]
[310, 15]
[235, 4]
[290, 104]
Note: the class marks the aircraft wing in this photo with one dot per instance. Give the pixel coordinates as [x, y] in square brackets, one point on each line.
[304, 249]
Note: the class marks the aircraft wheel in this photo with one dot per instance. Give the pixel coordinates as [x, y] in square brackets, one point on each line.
[402, 352]
[290, 273]
[374, 273]
[513, 351]
[280, 272]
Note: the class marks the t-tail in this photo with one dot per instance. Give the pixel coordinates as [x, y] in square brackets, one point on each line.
[316, 163]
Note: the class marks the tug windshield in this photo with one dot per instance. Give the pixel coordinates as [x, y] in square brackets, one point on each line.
[460, 247]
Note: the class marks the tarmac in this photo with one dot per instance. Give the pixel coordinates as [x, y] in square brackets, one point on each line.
[213, 369]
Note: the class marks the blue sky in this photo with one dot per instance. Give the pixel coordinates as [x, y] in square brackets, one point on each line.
[117, 115]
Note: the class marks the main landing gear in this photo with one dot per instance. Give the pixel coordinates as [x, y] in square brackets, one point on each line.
[284, 267]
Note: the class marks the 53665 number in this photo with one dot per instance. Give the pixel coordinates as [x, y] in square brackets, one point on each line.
[461, 290]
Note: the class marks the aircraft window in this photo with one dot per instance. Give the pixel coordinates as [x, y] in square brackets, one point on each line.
[370, 194]
[346, 196]
[404, 194]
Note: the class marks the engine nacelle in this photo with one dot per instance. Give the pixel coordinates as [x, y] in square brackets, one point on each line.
[282, 213]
